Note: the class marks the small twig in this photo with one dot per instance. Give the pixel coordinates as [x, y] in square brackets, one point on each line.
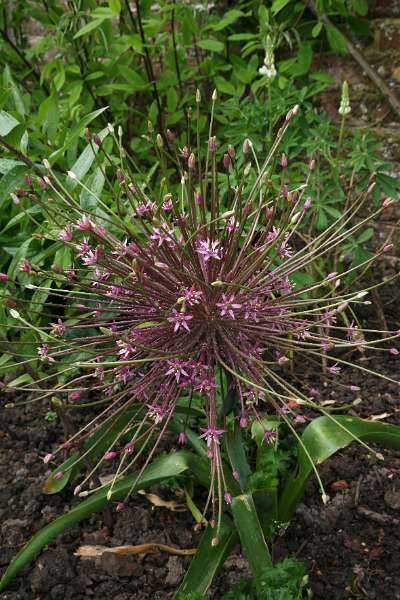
[356, 54]
[357, 492]
[381, 518]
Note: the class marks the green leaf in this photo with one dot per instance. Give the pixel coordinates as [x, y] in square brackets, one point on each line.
[75, 132]
[322, 438]
[278, 5]
[16, 94]
[91, 26]
[83, 163]
[161, 469]
[360, 7]
[316, 30]
[11, 181]
[7, 123]
[230, 17]
[208, 559]
[212, 45]
[172, 100]
[115, 6]
[336, 40]
[237, 455]
[251, 536]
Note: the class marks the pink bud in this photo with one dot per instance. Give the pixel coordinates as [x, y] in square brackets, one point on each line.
[231, 151]
[74, 395]
[170, 135]
[47, 458]
[129, 447]
[109, 455]
[28, 181]
[387, 247]
[269, 213]
[97, 140]
[191, 161]
[393, 351]
[285, 192]
[119, 506]
[371, 187]
[387, 202]
[3, 277]
[182, 437]
[212, 144]
[120, 176]
[132, 188]
[307, 203]
[331, 275]
[243, 421]
[284, 161]
[212, 523]
[226, 161]
[198, 527]
[354, 388]
[59, 475]
[198, 198]
[228, 498]
[236, 474]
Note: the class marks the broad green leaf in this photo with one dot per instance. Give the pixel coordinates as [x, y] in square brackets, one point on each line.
[251, 535]
[229, 17]
[7, 123]
[336, 40]
[11, 181]
[316, 30]
[115, 6]
[95, 183]
[237, 455]
[278, 5]
[322, 438]
[212, 45]
[83, 163]
[208, 559]
[361, 7]
[6, 164]
[161, 469]
[16, 94]
[91, 26]
[75, 132]
[225, 86]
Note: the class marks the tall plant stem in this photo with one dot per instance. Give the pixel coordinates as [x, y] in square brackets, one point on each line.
[149, 70]
[178, 72]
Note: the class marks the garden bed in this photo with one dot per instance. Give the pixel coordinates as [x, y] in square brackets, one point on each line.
[350, 546]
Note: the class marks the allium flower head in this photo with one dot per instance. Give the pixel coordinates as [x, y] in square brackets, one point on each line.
[175, 300]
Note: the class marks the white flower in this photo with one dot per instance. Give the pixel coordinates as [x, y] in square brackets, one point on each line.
[269, 72]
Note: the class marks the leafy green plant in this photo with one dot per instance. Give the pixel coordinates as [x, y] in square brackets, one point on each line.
[179, 314]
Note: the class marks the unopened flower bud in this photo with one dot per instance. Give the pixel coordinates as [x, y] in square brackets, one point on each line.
[198, 198]
[246, 146]
[226, 161]
[88, 135]
[72, 175]
[170, 135]
[191, 161]
[215, 541]
[387, 247]
[14, 198]
[120, 131]
[96, 139]
[150, 127]
[212, 144]
[110, 128]
[48, 458]
[120, 176]
[236, 474]
[231, 151]
[312, 164]
[198, 96]
[284, 161]
[394, 351]
[228, 497]
[307, 203]
[214, 95]
[189, 113]
[387, 202]
[159, 141]
[371, 187]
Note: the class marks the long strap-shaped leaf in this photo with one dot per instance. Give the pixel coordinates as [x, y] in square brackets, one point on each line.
[208, 558]
[161, 469]
[322, 438]
[251, 536]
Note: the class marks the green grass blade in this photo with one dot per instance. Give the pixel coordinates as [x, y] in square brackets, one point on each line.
[208, 559]
[251, 535]
[322, 438]
[161, 469]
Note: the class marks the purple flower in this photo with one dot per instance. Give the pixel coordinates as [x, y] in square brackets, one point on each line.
[65, 234]
[179, 319]
[228, 305]
[209, 249]
[334, 369]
